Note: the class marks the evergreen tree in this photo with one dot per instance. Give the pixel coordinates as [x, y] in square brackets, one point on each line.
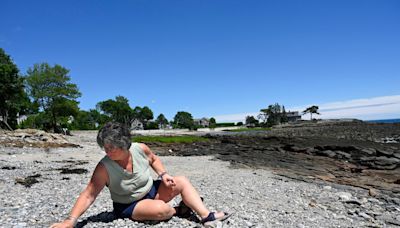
[161, 121]
[312, 110]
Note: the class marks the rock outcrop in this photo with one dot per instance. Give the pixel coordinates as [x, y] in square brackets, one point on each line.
[33, 138]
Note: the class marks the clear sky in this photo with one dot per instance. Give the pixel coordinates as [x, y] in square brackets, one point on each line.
[216, 58]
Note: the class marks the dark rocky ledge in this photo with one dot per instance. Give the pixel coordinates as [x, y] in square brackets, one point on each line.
[346, 153]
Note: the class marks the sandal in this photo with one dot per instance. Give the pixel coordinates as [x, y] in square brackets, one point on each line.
[210, 219]
[183, 211]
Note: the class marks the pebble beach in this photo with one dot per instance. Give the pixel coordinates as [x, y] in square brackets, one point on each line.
[39, 186]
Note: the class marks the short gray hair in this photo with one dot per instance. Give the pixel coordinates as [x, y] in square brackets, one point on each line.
[116, 134]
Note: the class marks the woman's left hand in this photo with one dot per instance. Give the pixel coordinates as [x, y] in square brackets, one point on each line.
[168, 180]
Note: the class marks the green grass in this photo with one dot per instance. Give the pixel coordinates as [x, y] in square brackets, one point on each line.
[169, 139]
[250, 129]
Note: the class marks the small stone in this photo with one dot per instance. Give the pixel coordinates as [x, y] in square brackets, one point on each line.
[373, 192]
[369, 151]
[364, 215]
[344, 196]
[328, 188]
[312, 203]
[248, 224]
[353, 202]
[328, 153]
[326, 177]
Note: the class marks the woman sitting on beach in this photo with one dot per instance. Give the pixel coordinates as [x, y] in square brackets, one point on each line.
[125, 170]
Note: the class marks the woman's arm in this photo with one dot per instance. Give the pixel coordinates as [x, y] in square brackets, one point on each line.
[158, 167]
[87, 197]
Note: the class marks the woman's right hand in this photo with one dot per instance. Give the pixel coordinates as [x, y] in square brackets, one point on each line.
[65, 224]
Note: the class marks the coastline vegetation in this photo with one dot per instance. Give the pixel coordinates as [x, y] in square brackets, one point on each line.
[45, 98]
[250, 129]
[169, 139]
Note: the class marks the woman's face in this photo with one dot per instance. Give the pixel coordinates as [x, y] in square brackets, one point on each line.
[114, 153]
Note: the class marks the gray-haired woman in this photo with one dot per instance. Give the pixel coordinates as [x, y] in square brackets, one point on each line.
[125, 170]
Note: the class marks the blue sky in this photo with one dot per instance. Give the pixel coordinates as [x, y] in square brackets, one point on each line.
[216, 58]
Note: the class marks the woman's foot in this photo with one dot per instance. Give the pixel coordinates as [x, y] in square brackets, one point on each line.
[214, 217]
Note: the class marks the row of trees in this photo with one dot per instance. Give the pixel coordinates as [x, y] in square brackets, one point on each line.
[48, 97]
[275, 114]
[46, 94]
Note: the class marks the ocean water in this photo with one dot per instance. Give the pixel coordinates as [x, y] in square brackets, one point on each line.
[384, 121]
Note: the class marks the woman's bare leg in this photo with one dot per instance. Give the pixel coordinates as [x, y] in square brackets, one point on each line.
[149, 209]
[189, 196]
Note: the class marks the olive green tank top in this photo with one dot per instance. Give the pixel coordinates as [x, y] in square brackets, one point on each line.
[126, 187]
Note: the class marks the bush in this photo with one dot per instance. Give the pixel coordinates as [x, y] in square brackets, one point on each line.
[37, 121]
[151, 125]
[225, 124]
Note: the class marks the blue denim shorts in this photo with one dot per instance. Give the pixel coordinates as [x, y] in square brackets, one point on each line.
[125, 210]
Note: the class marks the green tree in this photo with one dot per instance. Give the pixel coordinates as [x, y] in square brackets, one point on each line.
[183, 120]
[213, 123]
[312, 110]
[251, 121]
[161, 121]
[13, 99]
[145, 115]
[51, 89]
[273, 115]
[284, 118]
[142, 114]
[88, 120]
[82, 121]
[98, 118]
[118, 110]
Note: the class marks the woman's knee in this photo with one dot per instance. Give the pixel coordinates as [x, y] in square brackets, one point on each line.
[163, 211]
[182, 181]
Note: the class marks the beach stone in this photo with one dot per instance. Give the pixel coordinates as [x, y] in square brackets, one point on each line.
[344, 196]
[369, 151]
[328, 153]
[342, 154]
[364, 215]
[373, 192]
[352, 201]
[387, 152]
[327, 188]
[310, 150]
[385, 161]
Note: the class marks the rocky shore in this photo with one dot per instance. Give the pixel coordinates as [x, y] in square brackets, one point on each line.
[330, 175]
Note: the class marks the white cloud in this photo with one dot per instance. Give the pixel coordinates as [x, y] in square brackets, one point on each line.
[385, 107]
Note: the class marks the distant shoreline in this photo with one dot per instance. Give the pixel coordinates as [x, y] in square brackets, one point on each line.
[384, 121]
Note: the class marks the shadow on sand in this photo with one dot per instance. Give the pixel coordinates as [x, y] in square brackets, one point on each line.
[107, 217]
[103, 217]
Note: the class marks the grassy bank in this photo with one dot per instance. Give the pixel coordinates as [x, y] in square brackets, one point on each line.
[169, 139]
[250, 129]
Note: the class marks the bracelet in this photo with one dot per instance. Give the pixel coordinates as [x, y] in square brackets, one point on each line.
[162, 174]
[74, 219]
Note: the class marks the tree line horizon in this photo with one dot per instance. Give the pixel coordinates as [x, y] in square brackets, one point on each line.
[46, 95]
